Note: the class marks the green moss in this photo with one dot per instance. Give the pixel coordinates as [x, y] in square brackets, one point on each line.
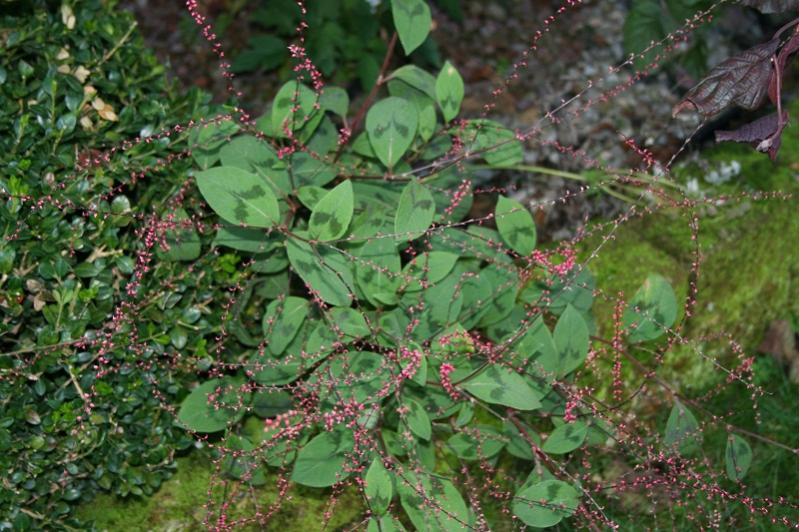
[749, 274]
[179, 504]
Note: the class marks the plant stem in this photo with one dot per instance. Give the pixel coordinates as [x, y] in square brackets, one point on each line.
[356, 122]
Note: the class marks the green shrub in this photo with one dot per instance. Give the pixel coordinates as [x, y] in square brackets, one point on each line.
[76, 417]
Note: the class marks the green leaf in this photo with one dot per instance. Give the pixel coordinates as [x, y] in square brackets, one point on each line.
[321, 462]
[310, 171]
[417, 419]
[282, 320]
[518, 444]
[503, 386]
[239, 197]
[566, 438]
[546, 503]
[497, 144]
[433, 504]
[430, 267]
[537, 347]
[350, 322]
[352, 376]
[245, 239]
[183, 241]
[515, 225]
[572, 340]
[449, 91]
[391, 125]
[336, 100]
[387, 523]
[325, 271]
[651, 311]
[333, 213]
[643, 26]
[738, 457]
[248, 153]
[310, 195]
[376, 271]
[477, 444]
[379, 488]
[270, 402]
[198, 414]
[293, 108]
[415, 211]
[682, 430]
[412, 20]
[425, 106]
[417, 78]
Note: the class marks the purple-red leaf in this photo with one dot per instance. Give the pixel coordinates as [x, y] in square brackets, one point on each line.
[740, 80]
[775, 85]
[765, 134]
[772, 6]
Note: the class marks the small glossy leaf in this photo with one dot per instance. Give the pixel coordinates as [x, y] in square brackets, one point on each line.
[516, 226]
[332, 215]
[391, 125]
[413, 20]
[546, 503]
[379, 489]
[449, 91]
[321, 462]
[572, 340]
[282, 320]
[651, 311]
[415, 211]
[503, 386]
[738, 457]
[239, 197]
[566, 438]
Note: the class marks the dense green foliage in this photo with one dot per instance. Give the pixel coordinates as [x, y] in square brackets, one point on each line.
[345, 41]
[74, 83]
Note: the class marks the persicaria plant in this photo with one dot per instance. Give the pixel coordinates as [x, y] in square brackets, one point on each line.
[391, 340]
[351, 300]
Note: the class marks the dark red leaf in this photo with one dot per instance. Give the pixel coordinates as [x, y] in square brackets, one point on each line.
[765, 134]
[772, 6]
[740, 80]
[782, 58]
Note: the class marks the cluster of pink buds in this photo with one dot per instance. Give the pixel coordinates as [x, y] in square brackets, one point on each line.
[443, 375]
